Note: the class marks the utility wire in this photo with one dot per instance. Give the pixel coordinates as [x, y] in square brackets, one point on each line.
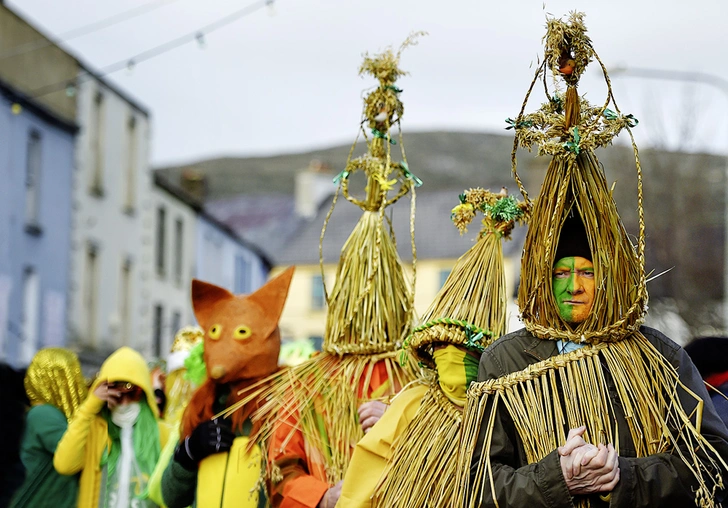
[84, 29]
[128, 63]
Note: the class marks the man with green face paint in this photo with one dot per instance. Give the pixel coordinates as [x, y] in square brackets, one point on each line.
[573, 286]
[587, 470]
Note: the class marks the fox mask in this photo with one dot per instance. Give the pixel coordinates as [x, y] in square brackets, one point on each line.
[241, 332]
[242, 343]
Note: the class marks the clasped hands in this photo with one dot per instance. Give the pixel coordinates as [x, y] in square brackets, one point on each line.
[588, 469]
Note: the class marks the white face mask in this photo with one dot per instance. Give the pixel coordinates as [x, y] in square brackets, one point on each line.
[126, 414]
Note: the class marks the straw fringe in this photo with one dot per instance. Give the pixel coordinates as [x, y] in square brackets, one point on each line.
[567, 391]
[322, 396]
[423, 469]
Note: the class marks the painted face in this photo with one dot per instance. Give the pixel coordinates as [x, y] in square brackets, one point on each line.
[573, 286]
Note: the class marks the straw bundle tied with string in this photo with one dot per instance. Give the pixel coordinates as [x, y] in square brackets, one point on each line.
[370, 307]
[469, 310]
[570, 390]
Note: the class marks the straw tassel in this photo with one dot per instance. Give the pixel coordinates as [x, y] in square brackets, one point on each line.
[566, 391]
[423, 468]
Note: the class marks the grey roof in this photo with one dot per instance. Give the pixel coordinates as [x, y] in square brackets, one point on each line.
[435, 235]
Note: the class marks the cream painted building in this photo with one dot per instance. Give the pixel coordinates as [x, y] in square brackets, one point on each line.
[438, 244]
[112, 265]
[189, 243]
[173, 267]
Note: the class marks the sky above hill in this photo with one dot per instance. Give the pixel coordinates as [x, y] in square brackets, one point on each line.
[285, 78]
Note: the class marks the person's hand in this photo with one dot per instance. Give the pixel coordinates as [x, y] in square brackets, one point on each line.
[331, 497]
[370, 413]
[209, 437]
[109, 395]
[588, 469]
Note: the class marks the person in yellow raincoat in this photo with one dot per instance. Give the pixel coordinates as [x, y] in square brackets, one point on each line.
[115, 438]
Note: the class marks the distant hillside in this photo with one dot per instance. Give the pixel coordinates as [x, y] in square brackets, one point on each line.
[440, 159]
[684, 200]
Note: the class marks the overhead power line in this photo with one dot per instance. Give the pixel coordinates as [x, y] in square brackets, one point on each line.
[85, 29]
[128, 63]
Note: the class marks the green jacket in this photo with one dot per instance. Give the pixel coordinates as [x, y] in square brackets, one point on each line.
[658, 480]
[43, 486]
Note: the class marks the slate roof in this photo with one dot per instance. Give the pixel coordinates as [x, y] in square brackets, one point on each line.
[435, 235]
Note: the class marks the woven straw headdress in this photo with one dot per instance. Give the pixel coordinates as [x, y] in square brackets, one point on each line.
[569, 390]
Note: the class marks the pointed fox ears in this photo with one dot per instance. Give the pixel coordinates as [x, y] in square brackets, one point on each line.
[270, 297]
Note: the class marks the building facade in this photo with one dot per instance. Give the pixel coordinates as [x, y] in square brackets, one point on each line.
[189, 243]
[112, 266]
[36, 168]
[37, 133]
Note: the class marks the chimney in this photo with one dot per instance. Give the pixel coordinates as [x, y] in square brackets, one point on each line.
[194, 183]
[313, 187]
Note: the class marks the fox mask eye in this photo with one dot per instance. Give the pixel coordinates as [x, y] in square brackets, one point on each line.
[242, 332]
[214, 332]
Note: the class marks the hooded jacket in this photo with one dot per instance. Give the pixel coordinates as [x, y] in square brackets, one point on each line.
[662, 479]
[82, 446]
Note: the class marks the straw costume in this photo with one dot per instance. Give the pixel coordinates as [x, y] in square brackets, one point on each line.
[630, 386]
[369, 316]
[219, 461]
[409, 458]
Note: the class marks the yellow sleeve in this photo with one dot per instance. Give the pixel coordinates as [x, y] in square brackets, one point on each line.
[154, 486]
[70, 453]
[374, 450]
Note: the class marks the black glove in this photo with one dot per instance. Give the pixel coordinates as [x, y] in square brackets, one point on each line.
[212, 436]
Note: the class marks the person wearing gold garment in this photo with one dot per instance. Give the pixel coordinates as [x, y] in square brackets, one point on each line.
[55, 388]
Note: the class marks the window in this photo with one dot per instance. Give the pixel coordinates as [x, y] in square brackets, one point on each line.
[131, 153]
[178, 250]
[317, 292]
[90, 292]
[444, 274]
[160, 240]
[32, 180]
[29, 317]
[242, 275]
[125, 301]
[98, 132]
[157, 339]
[176, 324]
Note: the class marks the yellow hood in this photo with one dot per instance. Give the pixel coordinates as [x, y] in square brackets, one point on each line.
[125, 364]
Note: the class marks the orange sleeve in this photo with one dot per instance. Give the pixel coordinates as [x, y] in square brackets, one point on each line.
[298, 488]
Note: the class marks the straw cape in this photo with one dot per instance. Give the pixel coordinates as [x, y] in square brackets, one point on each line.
[570, 390]
[470, 310]
[370, 307]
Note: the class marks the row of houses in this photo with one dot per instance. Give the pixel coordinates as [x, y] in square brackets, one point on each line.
[95, 252]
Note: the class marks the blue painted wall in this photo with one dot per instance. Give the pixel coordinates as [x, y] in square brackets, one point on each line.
[47, 249]
[225, 261]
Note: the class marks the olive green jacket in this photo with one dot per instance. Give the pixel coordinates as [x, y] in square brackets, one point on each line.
[658, 480]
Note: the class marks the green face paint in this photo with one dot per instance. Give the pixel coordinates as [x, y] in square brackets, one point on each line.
[573, 287]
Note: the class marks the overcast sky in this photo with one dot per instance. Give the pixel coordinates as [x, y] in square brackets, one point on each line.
[285, 78]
